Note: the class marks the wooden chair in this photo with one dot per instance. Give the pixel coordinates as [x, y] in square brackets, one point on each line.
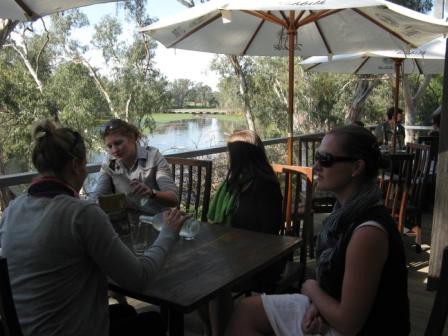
[432, 141]
[298, 220]
[194, 179]
[9, 321]
[297, 213]
[394, 182]
[439, 311]
[308, 145]
[417, 187]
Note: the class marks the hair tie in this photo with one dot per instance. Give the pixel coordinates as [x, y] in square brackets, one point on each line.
[40, 134]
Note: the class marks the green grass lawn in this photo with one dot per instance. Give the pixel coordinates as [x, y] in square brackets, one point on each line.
[168, 117]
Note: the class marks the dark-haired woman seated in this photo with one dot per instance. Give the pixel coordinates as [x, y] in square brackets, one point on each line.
[250, 199]
[361, 286]
[61, 249]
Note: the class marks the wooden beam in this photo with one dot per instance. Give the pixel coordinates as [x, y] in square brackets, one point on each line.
[267, 16]
[296, 22]
[322, 36]
[379, 24]
[191, 32]
[284, 17]
[29, 13]
[361, 65]
[419, 67]
[317, 16]
[253, 37]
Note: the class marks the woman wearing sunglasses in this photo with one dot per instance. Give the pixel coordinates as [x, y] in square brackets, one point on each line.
[141, 173]
[361, 277]
[61, 249]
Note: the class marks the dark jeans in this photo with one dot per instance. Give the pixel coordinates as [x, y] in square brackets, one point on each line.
[124, 320]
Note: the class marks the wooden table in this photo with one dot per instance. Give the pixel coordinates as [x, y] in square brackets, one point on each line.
[216, 259]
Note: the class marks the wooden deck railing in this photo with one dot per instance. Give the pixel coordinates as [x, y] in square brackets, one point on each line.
[26, 177]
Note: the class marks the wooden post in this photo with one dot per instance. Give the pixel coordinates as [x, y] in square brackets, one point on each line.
[439, 235]
[292, 32]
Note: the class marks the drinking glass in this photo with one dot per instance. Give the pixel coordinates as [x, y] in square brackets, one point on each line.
[191, 227]
[140, 235]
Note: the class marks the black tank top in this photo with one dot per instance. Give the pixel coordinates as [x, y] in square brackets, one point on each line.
[390, 310]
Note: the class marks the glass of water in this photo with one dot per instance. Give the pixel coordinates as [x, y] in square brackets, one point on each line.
[191, 227]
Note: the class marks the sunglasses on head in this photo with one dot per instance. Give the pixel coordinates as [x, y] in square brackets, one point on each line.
[327, 160]
[110, 127]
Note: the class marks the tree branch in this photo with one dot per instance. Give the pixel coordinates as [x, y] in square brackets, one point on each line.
[47, 40]
[99, 85]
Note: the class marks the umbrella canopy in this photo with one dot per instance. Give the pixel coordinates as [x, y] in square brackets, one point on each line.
[307, 28]
[428, 59]
[25, 10]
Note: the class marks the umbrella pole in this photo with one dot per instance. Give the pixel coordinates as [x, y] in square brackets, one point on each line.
[396, 94]
[291, 46]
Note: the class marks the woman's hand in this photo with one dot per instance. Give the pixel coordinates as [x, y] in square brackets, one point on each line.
[140, 189]
[309, 288]
[312, 322]
[174, 219]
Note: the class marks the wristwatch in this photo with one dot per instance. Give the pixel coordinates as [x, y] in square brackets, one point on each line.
[153, 193]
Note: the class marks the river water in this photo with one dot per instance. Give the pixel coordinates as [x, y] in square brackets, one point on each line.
[185, 135]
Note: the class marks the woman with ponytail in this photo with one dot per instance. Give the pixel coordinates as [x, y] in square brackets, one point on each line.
[61, 249]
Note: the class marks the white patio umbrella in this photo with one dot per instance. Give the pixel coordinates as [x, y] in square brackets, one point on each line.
[25, 10]
[288, 28]
[427, 59]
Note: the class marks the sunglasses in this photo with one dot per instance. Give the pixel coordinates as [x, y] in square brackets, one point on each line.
[110, 127]
[327, 160]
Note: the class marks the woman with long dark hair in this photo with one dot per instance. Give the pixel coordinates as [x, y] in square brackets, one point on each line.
[250, 199]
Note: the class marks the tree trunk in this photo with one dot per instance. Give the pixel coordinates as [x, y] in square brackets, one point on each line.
[243, 91]
[6, 27]
[439, 8]
[29, 66]
[6, 195]
[363, 89]
[410, 103]
[98, 83]
[128, 102]
[439, 234]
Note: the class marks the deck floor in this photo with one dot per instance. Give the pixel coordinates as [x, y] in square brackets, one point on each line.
[420, 299]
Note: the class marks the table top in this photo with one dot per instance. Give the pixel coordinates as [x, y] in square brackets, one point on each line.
[217, 258]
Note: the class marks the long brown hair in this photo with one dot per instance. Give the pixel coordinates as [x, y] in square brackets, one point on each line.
[247, 158]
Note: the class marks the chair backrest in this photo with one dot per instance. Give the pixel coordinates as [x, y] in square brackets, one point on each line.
[439, 311]
[194, 180]
[394, 181]
[433, 141]
[297, 185]
[419, 172]
[9, 321]
[308, 145]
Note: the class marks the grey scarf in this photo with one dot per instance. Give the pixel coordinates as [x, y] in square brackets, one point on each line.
[339, 221]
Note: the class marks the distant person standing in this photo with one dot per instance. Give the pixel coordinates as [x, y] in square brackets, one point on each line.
[384, 132]
[435, 124]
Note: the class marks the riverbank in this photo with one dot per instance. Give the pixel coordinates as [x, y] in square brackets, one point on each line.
[170, 117]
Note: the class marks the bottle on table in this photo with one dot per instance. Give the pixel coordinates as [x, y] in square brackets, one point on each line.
[189, 230]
